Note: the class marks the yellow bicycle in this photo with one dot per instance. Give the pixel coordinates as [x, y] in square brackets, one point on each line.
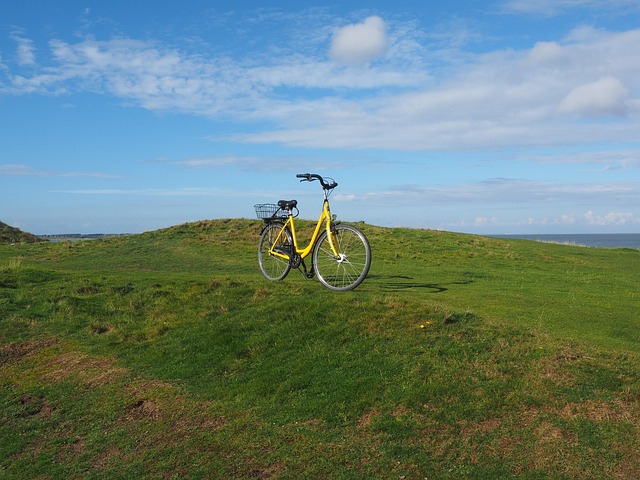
[340, 254]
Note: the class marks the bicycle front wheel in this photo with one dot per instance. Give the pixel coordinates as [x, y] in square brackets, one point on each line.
[273, 267]
[349, 268]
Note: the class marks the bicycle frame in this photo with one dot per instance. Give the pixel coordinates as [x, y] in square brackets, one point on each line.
[325, 218]
[340, 254]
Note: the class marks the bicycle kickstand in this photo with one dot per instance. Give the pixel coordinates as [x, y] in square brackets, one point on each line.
[307, 274]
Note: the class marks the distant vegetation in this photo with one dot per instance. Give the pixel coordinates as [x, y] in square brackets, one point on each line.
[168, 355]
[10, 234]
[72, 237]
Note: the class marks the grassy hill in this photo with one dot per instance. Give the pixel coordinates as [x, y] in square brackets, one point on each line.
[10, 234]
[168, 355]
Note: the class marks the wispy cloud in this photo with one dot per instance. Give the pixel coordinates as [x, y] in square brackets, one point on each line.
[504, 191]
[159, 192]
[166, 79]
[555, 7]
[503, 99]
[604, 160]
[27, 170]
[25, 52]
[399, 94]
[255, 163]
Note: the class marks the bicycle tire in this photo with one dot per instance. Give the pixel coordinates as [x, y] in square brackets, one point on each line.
[351, 267]
[272, 267]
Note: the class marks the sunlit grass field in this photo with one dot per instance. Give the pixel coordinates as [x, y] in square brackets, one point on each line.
[168, 355]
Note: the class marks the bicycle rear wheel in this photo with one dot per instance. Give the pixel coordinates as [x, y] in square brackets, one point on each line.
[347, 270]
[272, 267]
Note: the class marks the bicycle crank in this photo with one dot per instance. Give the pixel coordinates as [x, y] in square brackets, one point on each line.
[295, 260]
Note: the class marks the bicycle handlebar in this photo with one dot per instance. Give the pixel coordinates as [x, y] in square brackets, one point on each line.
[310, 177]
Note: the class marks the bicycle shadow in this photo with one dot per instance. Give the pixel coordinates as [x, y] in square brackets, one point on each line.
[397, 283]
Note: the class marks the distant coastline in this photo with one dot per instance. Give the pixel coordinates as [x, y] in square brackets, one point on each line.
[596, 240]
[599, 240]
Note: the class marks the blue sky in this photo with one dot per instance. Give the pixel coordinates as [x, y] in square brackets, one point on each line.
[504, 116]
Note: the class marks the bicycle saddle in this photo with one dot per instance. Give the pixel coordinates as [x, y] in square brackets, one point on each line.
[287, 204]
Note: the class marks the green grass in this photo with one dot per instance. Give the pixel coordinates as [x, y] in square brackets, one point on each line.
[14, 235]
[168, 355]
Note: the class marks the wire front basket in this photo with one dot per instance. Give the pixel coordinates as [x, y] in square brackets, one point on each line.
[267, 210]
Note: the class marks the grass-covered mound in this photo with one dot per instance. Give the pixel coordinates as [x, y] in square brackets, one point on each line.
[9, 234]
[168, 355]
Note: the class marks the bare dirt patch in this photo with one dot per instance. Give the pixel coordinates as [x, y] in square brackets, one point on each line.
[598, 411]
[91, 371]
[12, 353]
[365, 420]
[34, 406]
[143, 410]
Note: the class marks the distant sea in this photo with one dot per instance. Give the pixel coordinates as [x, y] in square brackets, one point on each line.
[605, 240]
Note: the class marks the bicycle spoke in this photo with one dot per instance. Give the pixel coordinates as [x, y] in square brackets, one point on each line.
[341, 257]
[348, 269]
[274, 267]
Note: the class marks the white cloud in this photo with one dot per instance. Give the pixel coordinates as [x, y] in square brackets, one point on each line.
[611, 218]
[485, 221]
[500, 99]
[548, 54]
[567, 219]
[360, 43]
[26, 52]
[511, 220]
[605, 96]
[167, 79]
